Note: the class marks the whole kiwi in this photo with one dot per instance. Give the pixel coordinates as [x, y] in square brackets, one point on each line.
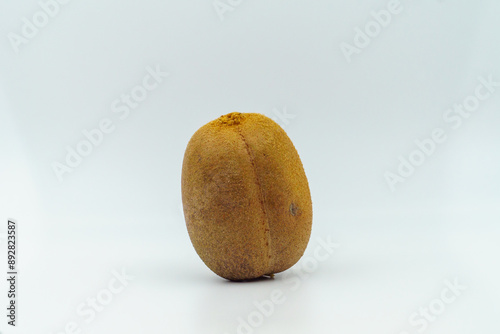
[246, 197]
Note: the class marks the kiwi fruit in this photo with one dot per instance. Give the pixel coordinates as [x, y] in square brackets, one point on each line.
[246, 197]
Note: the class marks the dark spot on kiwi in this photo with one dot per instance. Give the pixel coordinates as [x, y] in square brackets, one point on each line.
[294, 209]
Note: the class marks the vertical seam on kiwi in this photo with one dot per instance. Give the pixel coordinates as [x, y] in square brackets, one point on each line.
[262, 202]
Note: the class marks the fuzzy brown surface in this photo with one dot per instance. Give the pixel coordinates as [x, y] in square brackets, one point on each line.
[246, 197]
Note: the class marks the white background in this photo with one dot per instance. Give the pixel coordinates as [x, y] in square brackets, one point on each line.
[351, 119]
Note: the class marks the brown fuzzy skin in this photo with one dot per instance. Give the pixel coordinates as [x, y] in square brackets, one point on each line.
[246, 198]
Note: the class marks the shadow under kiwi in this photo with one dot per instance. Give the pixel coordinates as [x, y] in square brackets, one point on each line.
[263, 278]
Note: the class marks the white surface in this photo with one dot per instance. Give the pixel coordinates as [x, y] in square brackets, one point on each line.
[120, 208]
